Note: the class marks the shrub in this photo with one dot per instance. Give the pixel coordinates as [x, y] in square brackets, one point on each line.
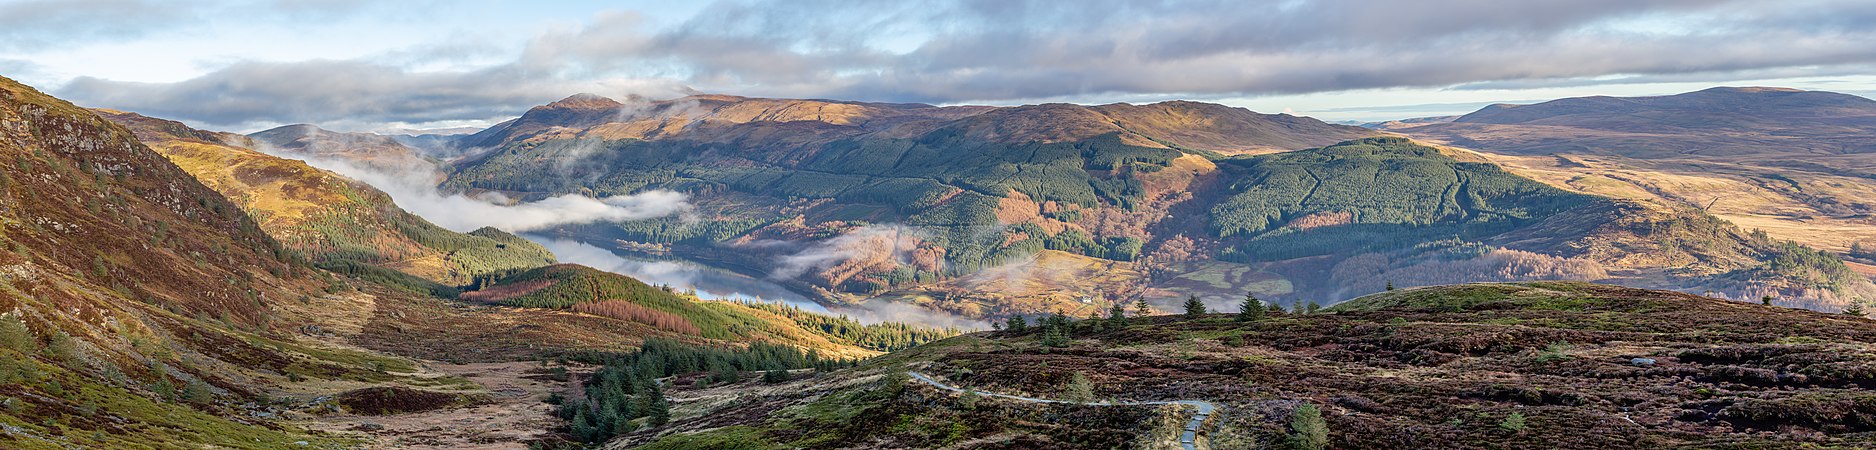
[197, 393]
[15, 335]
[1513, 423]
[61, 348]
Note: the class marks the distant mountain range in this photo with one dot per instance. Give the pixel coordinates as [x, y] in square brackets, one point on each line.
[1187, 196]
[1718, 122]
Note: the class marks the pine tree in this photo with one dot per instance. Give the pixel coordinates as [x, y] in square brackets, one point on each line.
[1390, 285]
[1079, 389]
[1855, 309]
[1141, 309]
[1251, 310]
[1766, 300]
[1017, 324]
[15, 335]
[1307, 429]
[1312, 308]
[1194, 307]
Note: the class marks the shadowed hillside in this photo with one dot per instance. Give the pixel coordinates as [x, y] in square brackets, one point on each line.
[139, 307]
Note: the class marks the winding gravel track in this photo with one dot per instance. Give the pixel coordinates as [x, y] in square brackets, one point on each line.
[1188, 438]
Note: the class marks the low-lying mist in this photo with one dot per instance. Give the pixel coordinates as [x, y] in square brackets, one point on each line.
[414, 189]
[718, 284]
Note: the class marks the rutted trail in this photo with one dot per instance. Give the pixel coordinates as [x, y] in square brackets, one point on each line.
[1187, 438]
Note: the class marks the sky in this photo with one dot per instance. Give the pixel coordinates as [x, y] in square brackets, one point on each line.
[362, 65]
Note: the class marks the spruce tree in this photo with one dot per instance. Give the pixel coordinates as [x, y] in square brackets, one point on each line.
[1251, 310]
[1312, 308]
[1141, 309]
[1054, 336]
[1855, 309]
[1194, 307]
[1017, 324]
[582, 426]
[660, 411]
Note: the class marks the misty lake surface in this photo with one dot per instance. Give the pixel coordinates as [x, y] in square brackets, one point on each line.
[710, 282]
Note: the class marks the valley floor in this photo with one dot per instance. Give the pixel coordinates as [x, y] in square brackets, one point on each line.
[514, 413]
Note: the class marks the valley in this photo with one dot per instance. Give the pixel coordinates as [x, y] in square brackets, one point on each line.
[674, 267]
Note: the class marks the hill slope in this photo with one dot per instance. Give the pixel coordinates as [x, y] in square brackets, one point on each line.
[334, 220]
[140, 308]
[1388, 209]
[1793, 163]
[1470, 366]
[372, 150]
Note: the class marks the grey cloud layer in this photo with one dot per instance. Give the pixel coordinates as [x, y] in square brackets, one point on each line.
[986, 50]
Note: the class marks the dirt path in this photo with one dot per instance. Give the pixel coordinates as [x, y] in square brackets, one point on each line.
[516, 413]
[1188, 438]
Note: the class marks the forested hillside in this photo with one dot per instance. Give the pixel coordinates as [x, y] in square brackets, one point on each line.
[1373, 195]
[852, 200]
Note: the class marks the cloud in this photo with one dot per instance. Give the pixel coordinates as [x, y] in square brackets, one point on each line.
[871, 243]
[413, 191]
[986, 51]
[48, 23]
[41, 24]
[253, 94]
